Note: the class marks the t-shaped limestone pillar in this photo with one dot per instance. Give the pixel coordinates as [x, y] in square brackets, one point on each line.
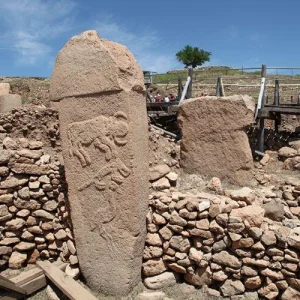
[98, 88]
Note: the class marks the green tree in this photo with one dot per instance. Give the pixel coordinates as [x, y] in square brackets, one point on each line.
[193, 56]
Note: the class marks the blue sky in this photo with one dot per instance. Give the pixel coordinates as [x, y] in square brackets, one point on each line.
[237, 32]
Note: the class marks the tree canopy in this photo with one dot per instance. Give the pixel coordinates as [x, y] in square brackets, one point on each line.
[193, 56]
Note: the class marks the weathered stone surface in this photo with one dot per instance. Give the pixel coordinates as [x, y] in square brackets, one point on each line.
[226, 259]
[274, 210]
[12, 182]
[5, 155]
[202, 276]
[24, 246]
[270, 291]
[232, 287]
[33, 154]
[286, 152]
[30, 169]
[160, 281]
[9, 144]
[220, 137]
[158, 171]
[253, 214]
[17, 260]
[244, 194]
[290, 293]
[42, 214]
[15, 224]
[180, 243]
[106, 134]
[4, 88]
[9, 102]
[154, 267]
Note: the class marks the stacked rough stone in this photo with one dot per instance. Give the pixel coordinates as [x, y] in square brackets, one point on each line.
[34, 215]
[291, 156]
[32, 122]
[34, 218]
[234, 242]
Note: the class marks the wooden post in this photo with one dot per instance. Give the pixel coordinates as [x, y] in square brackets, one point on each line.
[298, 99]
[292, 99]
[218, 94]
[261, 134]
[179, 87]
[190, 87]
[276, 93]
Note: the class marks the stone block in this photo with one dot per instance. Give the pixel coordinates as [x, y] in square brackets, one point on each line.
[9, 102]
[4, 89]
[214, 141]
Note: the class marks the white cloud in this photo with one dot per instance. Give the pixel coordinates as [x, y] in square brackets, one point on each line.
[30, 24]
[146, 46]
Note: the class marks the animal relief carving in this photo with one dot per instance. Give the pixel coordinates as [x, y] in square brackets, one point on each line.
[106, 134]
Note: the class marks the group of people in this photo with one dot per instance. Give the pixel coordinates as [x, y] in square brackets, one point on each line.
[167, 98]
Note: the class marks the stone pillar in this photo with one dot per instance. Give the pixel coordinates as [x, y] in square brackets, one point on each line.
[98, 88]
[214, 141]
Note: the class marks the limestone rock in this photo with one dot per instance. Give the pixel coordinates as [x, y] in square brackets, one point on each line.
[158, 295]
[158, 172]
[180, 243]
[232, 287]
[161, 184]
[290, 293]
[9, 102]
[4, 88]
[24, 246]
[15, 224]
[105, 154]
[253, 214]
[17, 260]
[72, 271]
[287, 152]
[269, 292]
[244, 194]
[202, 276]
[274, 210]
[5, 155]
[226, 259]
[154, 267]
[42, 214]
[12, 182]
[160, 281]
[220, 137]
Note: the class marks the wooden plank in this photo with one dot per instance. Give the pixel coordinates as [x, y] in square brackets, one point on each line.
[33, 273]
[35, 284]
[8, 285]
[26, 276]
[65, 283]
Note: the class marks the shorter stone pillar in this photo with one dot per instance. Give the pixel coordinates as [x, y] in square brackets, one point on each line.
[4, 88]
[214, 142]
[9, 102]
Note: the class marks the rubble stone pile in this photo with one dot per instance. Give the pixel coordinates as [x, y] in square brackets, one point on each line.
[39, 124]
[235, 241]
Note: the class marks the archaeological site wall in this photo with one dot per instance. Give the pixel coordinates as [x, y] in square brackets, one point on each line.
[34, 213]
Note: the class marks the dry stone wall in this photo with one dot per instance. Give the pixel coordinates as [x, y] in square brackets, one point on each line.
[241, 243]
[34, 215]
